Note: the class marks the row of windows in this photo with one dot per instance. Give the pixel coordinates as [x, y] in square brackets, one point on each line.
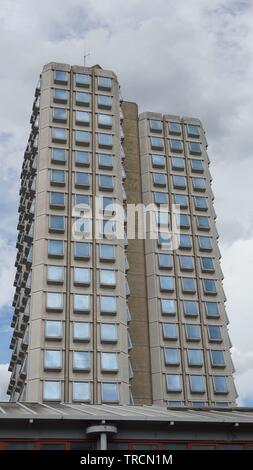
[197, 383]
[81, 79]
[186, 263]
[194, 148]
[82, 180]
[192, 332]
[194, 357]
[81, 303]
[81, 331]
[156, 125]
[179, 182]
[190, 308]
[81, 360]
[188, 285]
[60, 134]
[200, 202]
[81, 98]
[52, 391]
[82, 117]
[82, 158]
[177, 163]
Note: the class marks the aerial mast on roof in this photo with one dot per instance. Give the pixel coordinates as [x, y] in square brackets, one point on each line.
[86, 54]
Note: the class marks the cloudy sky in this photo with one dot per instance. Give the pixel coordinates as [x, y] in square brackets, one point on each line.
[192, 57]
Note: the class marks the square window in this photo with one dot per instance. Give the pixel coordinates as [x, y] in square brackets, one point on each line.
[165, 261]
[82, 276]
[183, 221]
[174, 128]
[170, 331]
[53, 329]
[155, 125]
[206, 264]
[197, 384]
[107, 252]
[58, 155]
[56, 248]
[61, 76]
[81, 250]
[195, 357]
[81, 331]
[167, 283]
[159, 179]
[58, 177]
[202, 222]
[105, 161]
[205, 243]
[105, 120]
[56, 223]
[60, 114]
[209, 286]
[51, 390]
[81, 391]
[217, 358]
[54, 301]
[173, 383]
[197, 166]
[195, 148]
[108, 305]
[186, 263]
[109, 392]
[193, 130]
[107, 278]
[83, 118]
[162, 218]
[57, 200]
[82, 99]
[185, 242]
[106, 182]
[105, 140]
[81, 360]
[179, 182]
[220, 384]
[182, 200]
[104, 83]
[200, 203]
[106, 204]
[83, 79]
[158, 161]
[177, 163]
[176, 145]
[55, 274]
[82, 138]
[82, 180]
[160, 198]
[171, 356]
[199, 184]
[81, 303]
[59, 134]
[83, 200]
[157, 143]
[168, 306]
[52, 359]
[188, 285]
[190, 308]
[104, 101]
[214, 333]
[109, 362]
[108, 333]
[82, 158]
[60, 95]
[212, 309]
[192, 332]
[164, 240]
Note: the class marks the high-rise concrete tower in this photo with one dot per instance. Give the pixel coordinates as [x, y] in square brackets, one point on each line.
[109, 319]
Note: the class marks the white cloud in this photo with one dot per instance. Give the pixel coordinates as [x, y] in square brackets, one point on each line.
[4, 380]
[189, 58]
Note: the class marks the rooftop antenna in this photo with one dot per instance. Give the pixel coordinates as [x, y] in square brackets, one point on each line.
[86, 54]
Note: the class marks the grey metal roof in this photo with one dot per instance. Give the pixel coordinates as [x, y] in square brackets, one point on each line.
[66, 411]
